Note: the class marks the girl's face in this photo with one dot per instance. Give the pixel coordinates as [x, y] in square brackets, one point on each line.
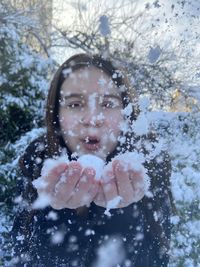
[90, 112]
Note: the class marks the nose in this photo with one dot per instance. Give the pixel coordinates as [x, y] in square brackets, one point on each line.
[92, 119]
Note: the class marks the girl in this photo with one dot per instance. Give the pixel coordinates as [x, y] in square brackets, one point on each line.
[90, 110]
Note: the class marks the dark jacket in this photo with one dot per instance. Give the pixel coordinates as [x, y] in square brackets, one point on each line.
[136, 236]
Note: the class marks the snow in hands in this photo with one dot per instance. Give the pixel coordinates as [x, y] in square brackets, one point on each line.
[62, 171]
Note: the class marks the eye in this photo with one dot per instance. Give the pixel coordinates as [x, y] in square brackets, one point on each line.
[74, 105]
[111, 103]
[107, 104]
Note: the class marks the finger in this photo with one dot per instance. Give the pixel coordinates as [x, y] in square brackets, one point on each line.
[100, 199]
[137, 181]
[64, 189]
[137, 178]
[124, 186]
[81, 194]
[53, 177]
[110, 190]
[93, 186]
[94, 190]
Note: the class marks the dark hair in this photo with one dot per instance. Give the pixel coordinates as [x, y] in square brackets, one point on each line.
[54, 138]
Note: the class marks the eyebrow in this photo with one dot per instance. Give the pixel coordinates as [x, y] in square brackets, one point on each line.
[81, 96]
[72, 95]
[112, 95]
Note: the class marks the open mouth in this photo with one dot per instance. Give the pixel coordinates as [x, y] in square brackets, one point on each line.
[91, 143]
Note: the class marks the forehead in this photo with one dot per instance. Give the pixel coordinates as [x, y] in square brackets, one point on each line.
[89, 80]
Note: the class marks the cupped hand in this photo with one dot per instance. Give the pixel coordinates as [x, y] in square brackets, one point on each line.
[121, 186]
[70, 186]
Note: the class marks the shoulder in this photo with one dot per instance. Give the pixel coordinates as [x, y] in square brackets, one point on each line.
[159, 167]
[159, 171]
[31, 161]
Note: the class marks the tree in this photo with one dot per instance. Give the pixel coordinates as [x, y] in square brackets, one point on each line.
[152, 38]
[24, 85]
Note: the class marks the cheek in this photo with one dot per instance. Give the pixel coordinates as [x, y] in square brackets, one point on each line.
[114, 121]
[67, 122]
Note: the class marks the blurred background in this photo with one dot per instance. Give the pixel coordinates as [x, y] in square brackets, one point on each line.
[158, 45]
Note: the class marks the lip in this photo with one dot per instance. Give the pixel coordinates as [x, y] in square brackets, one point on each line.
[91, 146]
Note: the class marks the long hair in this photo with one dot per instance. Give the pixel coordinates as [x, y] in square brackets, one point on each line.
[54, 138]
